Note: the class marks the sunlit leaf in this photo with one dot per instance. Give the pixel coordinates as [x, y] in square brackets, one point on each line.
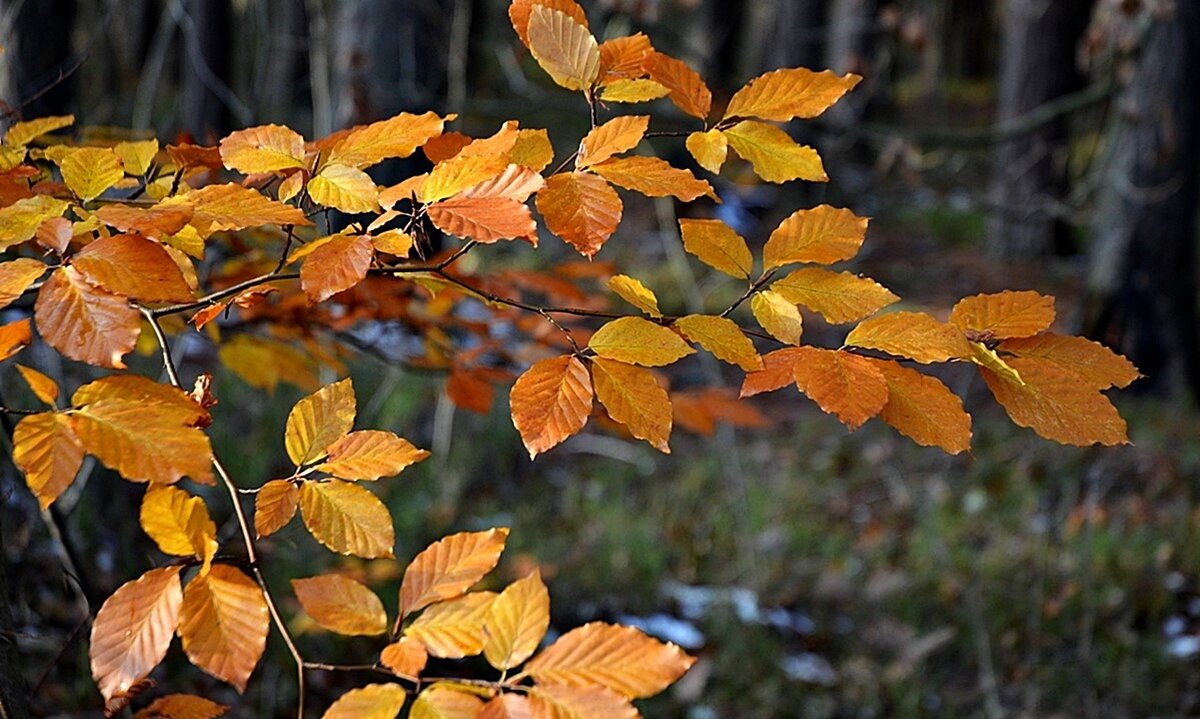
[19, 221]
[556, 701]
[516, 622]
[1004, 315]
[1090, 362]
[460, 173]
[845, 385]
[17, 276]
[709, 149]
[178, 523]
[336, 266]
[517, 183]
[563, 47]
[654, 177]
[723, 338]
[582, 209]
[406, 657]
[778, 316]
[374, 701]
[614, 137]
[347, 519]
[687, 88]
[133, 629]
[550, 402]
[20, 134]
[507, 706]
[274, 506]
[158, 221]
[42, 386]
[635, 293]
[484, 219]
[223, 208]
[89, 171]
[370, 454]
[319, 420]
[14, 337]
[398, 136]
[519, 12]
[46, 449]
[441, 702]
[786, 94]
[776, 373]
[823, 235]
[914, 335]
[635, 340]
[266, 148]
[136, 156]
[837, 296]
[717, 245]
[621, 659]
[143, 443]
[776, 157]
[634, 398]
[449, 567]
[453, 629]
[133, 266]
[633, 91]
[923, 409]
[344, 188]
[223, 624]
[181, 706]
[341, 605]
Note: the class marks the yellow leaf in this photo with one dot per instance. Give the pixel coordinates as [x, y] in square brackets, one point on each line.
[989, 359]
[484, 219]
[290, 186]
[634, 398]
[319, 420]
[460, 173]
[374, 701]
[914, 335]
[633, 90]
[709, 148]
[516, 622]
[274, 506]
[14, 337]
[1091, 362]
[519, 12]
[46, 449]
[635, 293]
[397, 136]
[393, 242]
[1054, 403]
[344, 188]
[265, 363]
[550, 402]
[783, 95]
[347, 519]
[224, 208]
[1003, 316]
[181, 706]
[335, 265]
[178, 523]
[774, 154]
[717, 245]
[582, 209]
[370, 454]
[438, 702]
[143, 443]
[266, 148]
[614, 137]
[223, 624]
[634, 340]
[687, 88]
[405, 658]
[777, 372]
[608, 656]
[133, 629]
[170, 405]
[21, 133]
[341, 605]
[923, 409]
[556, 701]
[722, 337]
[89, 171]
[135, 267]
[17, 276]
[564, 48]
[19, 221]
[42, 386]
[837, 296]
[532, 150]
[778, 316]
[823, 235]
[453, 629]
[845, 385]
[449, 567]
[137, 156]
[654, 177]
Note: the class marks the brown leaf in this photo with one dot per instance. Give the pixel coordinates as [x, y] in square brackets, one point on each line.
[405, 658]
[159, 221]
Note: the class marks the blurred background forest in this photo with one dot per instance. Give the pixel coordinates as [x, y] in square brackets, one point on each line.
[1023, 144]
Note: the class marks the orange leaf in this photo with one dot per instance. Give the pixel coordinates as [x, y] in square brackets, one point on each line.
[914, 335]
[823, 235]
[709, 149]
[654, 177]
[776, 157]
[397, 136]
[717, 245]
[133, 266]
[453, 629]
[14, 337]
[223, 624]
[608, 656]
[520, 10]
[374, 701]
[347, 519]
[838, 296]
[623, 58]
[1094, 364]
[181, 706]
[564, 48]
[722, 337]
[634, 398]
[405, 658]
[341, 605]
[319, 420]
[582, 209]
[783, 95]
[688, 91]
[507, 706]
[46, 449]
[449, 567]
[141, 442]
[336, 266]
[84, 322]
[842, 384]
[484, 219]
[778, 316]
[614, 137]
[516, 622]
[923, 409]
[470, 390]
[42, 386]
[223, 208]
[460, 173]
[159, 221]
[274, 506]
[555, 701]
[170, 404]
[777, 372]
[266, 148]
[133, 629]
[370, 454]
[17, 276]
[1004, 315]
[517, 183]
[550, 402]
[634, 340]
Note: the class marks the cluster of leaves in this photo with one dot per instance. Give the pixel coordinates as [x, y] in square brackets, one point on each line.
[120, 241]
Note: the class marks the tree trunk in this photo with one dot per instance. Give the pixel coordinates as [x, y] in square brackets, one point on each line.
[1037, 66]
[39, 46]
[1143, 266]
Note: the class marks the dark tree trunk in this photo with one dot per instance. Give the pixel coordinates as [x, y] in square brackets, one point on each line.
[1143, 273]
[205, 65]
[42, 57]
[1038, 65]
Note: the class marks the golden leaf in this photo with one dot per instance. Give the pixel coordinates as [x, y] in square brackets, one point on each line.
[507, 706]
[265, 363]
[608, 656]
[776, 373]
[274, 506]
[634, 340]
[89, 171]
[532, 150]
[582, 209]
[845, 385]
[143, 442]
[484, 219]
[319, 420]
[774, 154]
[171, 405]
[223, 624]
[687, 88]
[634, 398]
[181, 706]
[178, 523]
[778, 316]
[623, 57]
[224, 208]
[923, 409]
[717, 245]
[441, 702]
[46, 449]
[137, 156]
[266, 148]
[914, 335]
[19, 221]
[335, 266]
[397, 136]
[517, 183]
[449, 567]
[635, 293]
[519, 13]
[709, 149]
[722, 337]
[516, 622]
[823, 235]
[453, 629]
[1091, 362]
[374, 701]
[42, 386]
[633, 91]
[347, 519]
[14, 337]
[460, 173]
[135, 267]
[370, 454]
[564, 48]
[393, 242]
[405, 658]
[550, 402]
[133, 629]
[783, 95]
[344, 188]
[17, 276]
[159, 221]
[654, 177]
[1004, 315]
[341, 605]
[837, 296]
[21, 133]
[555, 701]
[614, 137]
[988, 358]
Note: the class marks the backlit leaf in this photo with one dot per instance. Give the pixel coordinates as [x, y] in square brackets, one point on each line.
[439, 702]
[564, 48]
[837, 296]
[46, 449]
[484, 219]
[634, 398]
[344, 188]
[20, 134]
[988, 358]
[133, 266]
[635, 293]
[556, 701]
[143, 443]
[274, 506]
[717, 245]
[14, 337]
[398, 136]
[266, 148]
[158, 221]
[709, 148]
[550, 402]
[17, 276]
[777, 372]
[923, 409]
[639, 341]
[582, 209]
[89, 171]
[516, 622]
[623, 57]
[519, 13]
[374, 701]
[654, 177]
[774, 154]
[914, 335]
[532, 150]
[406, 657]
[845, 385]
[223, 624]
[722, 337]
[178, 522]
[823, 235]
[336, 266]
[319, 420]
[517, 182]
[170, 405]
[393, 242]
[181, 706]
[19, 221]
[687, 88]
[1004, 315]
[783, 95]
[778, 316]
[621, 659]
[42, 386]
[453, 629]
[223, 208]
[449, 567]
[633, 91]
[507, 706]
[136, 156]
[369, 454]
[460, 173]
[1091, 362]
[133, 629]
[341, 605]
[614, 137]
[347, 519]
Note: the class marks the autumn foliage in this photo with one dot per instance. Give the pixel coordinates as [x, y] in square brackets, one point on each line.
[111, 247]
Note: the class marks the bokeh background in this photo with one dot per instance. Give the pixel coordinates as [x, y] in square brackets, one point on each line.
[1024, 144]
